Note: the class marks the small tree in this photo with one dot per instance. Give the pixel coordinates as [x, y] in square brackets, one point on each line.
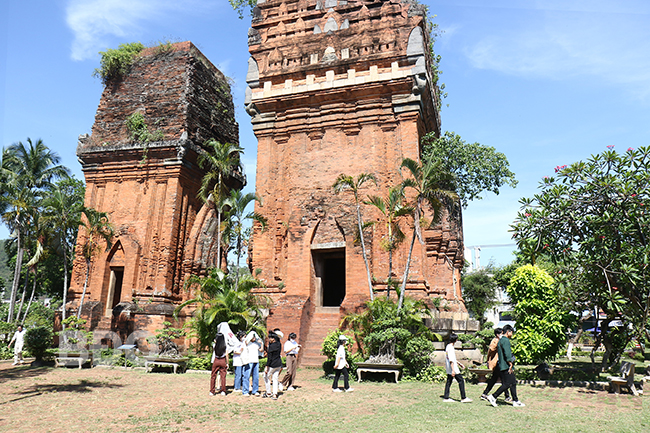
[479, 293]
[542, 320]
[38, 340]
[345, 182]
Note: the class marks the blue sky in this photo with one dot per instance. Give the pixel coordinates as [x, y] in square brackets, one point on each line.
[545, 82]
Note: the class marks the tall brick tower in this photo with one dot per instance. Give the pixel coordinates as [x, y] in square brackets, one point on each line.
[163, 232]
[339, 86]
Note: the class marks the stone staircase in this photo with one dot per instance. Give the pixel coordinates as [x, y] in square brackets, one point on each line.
[325, 320]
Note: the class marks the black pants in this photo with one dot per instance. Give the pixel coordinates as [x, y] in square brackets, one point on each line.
[337, 375]
[496, 374]
[461, 385]
[508, 382]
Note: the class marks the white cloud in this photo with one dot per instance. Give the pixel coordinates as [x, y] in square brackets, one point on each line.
[558, 40]
[95, 22]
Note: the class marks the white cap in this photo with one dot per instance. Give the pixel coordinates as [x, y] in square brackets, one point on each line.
[343, 337]
[279, 334]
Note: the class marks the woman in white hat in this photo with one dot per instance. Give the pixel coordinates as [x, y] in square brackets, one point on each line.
[341, 366]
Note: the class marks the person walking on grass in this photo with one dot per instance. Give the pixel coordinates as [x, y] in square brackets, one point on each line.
[219, 363]
[19, 339]
[506, 367]
[341, 367]
[453, 372]
[493, 364]
[291, 349]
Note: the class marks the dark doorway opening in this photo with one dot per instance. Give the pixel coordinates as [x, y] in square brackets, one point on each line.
[329, 268]
[116, 281]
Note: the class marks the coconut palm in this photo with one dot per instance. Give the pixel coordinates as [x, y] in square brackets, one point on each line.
[237, 216]
[62, 213]
[392, 208]
[217, 299]
[345, 182]
[221, 160]
[433, 187]
[98, 231]
[26, 171]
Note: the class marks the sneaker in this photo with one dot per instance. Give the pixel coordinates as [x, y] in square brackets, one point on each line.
[291, 388]
[466, 400]
[257, 394]
[223, 393]
[265, 395]
[336, 390]
[212, 394]
[246, 395]
[275, 397]
[449, 400]
[349, 390]
[508, 400]
[518, 404]
[484, 397]
[492, 400]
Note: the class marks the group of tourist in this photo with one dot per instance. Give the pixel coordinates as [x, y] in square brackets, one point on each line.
[500, 360]
[247, 349]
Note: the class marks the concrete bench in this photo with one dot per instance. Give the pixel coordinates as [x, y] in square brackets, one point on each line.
[366, 367]
[625, 379]
[149, 364]
[72, 359]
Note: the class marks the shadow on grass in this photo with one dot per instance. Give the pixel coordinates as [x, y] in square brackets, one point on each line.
[84, 386]
[21, 372]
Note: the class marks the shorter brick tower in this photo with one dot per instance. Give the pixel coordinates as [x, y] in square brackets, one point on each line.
[163, 232]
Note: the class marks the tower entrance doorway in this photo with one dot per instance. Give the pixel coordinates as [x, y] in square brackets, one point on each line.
[329, 276]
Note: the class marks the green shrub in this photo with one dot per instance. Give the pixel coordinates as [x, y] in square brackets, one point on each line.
[38, 340]
[417, 355]
[199, 362]
[139, 131]
[115, 63]
[433, 373]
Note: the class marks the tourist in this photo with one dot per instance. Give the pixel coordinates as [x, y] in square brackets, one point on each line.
[273, 364]
[251, 363]
[341, 366]
[237, 360]
[291, 349]
[493, 364]
[219, 363]
[19, 339]
[453, 372]
[506, 367]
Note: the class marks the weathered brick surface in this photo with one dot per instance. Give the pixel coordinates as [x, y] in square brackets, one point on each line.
[339, 87]
[150, 189]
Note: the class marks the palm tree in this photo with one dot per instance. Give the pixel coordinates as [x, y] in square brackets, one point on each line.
[26, 170]
[62, 213]
[344, 182]
[391, 208]
[218, 300]
[221, 161]
[432, 186]
[98, 231]
[235, 230]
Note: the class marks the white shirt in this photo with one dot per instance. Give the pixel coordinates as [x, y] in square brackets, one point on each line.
[237, 357]
[19, 338]
[251, 353]
[340, 357]
[451, 358]
[291, 347]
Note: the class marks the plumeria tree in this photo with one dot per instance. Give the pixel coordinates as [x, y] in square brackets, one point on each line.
[591, 217]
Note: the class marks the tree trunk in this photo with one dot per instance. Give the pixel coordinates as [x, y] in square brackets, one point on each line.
[31, 298]
[363, 250]
[390, 271]
[22, 298]
[83, 293]
[406, 272]
[219, 237]
[65, 285]
[239, 248]
[14, 284]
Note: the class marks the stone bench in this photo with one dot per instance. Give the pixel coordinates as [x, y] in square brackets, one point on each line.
[366, 367]
[66, 359]
[166, 362]
[625, 379]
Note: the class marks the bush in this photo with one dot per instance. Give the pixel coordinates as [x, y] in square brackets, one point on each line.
[38, 340]
[433, 373]
[417, 355]
[116, 63]
[199, 362]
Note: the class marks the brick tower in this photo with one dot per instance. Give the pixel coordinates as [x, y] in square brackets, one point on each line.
[163, 232]
[335, 87]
